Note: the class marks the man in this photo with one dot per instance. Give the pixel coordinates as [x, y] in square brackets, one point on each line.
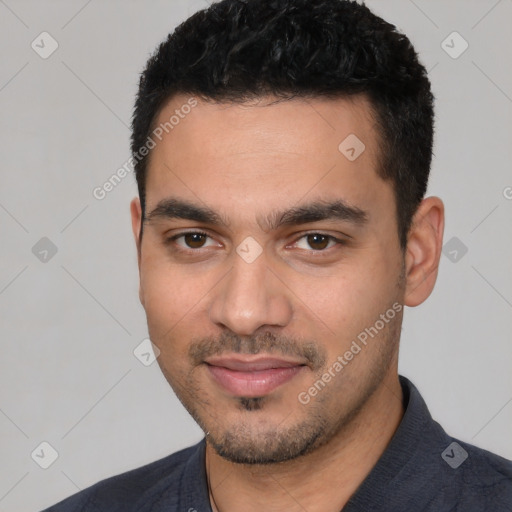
[282, 152]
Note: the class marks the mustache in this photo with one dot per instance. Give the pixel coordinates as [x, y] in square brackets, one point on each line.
[268, 343]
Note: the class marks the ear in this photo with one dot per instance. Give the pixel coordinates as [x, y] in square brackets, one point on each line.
[423, 251]
[136, 214]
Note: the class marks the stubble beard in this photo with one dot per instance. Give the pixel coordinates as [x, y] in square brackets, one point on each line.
[252, 440]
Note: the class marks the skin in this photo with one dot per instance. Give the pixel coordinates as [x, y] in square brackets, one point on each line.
[303, 298]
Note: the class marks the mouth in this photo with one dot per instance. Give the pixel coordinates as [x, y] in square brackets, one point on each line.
[252, 376]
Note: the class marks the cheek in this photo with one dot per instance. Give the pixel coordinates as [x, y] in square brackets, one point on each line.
[169, 305]
[353, 299]
[169, 296]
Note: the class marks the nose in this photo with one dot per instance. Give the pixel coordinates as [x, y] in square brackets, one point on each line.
[250, 297]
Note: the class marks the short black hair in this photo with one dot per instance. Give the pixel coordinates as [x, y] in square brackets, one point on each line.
[240, 50]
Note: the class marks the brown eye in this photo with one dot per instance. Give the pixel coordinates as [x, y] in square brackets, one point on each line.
[191, 241]
[195, 240]
[318, 242]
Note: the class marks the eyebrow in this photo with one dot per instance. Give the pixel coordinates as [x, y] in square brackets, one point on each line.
[178, 209]
[172, 208]
[314, 212]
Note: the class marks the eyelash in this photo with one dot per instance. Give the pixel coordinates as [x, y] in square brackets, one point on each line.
[331, 238]
[173, 238]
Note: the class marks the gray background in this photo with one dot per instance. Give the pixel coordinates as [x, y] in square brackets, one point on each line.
[70, 323]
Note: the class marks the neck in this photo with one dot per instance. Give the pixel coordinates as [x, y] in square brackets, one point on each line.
[323, 480]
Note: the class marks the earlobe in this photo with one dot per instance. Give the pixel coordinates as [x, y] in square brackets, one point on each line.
[423, 250]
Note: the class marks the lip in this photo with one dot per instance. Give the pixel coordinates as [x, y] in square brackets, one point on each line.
[252, 376]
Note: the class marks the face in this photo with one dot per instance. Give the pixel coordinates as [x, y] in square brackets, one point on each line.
[271, 270]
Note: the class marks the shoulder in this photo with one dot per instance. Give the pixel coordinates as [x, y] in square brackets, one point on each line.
[122, 492]
[482, 478]
[441, 472]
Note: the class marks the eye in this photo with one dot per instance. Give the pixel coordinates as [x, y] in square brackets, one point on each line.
[192, 240]
[316, 242]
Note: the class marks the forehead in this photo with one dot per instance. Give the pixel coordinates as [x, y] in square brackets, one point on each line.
[265, 151]
[266, 124]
